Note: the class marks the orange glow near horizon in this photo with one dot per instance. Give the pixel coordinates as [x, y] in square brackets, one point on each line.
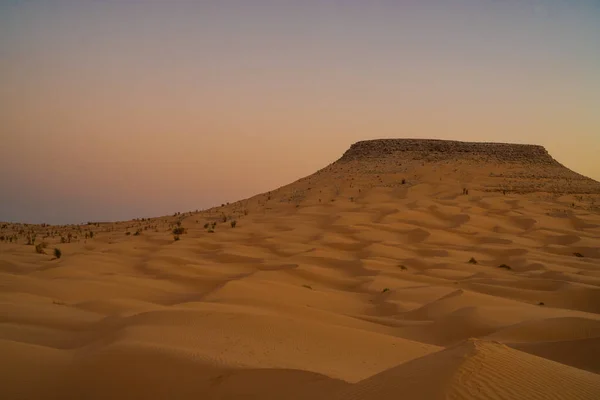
[122, 110]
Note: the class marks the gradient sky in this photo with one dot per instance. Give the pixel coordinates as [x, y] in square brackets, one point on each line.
[121, 109]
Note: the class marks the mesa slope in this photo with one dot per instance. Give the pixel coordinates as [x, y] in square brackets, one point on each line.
[378, 277]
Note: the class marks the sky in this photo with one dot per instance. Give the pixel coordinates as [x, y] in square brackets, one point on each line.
[113, 110]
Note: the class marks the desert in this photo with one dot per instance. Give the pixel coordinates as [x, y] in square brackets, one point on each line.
[408, 268]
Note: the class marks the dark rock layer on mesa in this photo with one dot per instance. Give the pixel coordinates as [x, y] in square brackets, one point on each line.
[503, 152]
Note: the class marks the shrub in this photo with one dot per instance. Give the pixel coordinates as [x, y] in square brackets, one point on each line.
[137, 233]
[504, 266]
[541, 303]
[57, 253]
[233, 223]
[39, 248]
[175, 237]
[403, 182]
[179, 230]
[385, 290]
[30, 240]
[91, 235]
[402, 267]
[472, 261]
[578, 255]
[206, 225]
[307, 286]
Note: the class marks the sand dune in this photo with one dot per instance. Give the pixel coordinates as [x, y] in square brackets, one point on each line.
[477, 369]
[376, 277]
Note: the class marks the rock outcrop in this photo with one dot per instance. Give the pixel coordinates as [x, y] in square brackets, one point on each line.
[448, 149]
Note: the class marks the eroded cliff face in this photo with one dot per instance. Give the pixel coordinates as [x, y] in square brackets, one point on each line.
[448, 150]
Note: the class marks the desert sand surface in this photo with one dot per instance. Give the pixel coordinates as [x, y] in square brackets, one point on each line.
[407, 269]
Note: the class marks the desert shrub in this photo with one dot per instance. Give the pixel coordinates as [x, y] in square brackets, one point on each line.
[578, 255]
[91, 235]
[206, 225]
[233, 223]
[176, 237]
[179, 230]
[472, 261]
[63, 240]
[138, 232]
[127, 233]
[307, 286]
[403, 182]
[385, 290]
[402, 267]
[541, 303]
[224, 218]
[504, 266]
[211, 230]
[57, 253]
[39, 248]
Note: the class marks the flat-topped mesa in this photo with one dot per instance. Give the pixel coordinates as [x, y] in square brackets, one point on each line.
[432, 150]
[519, 168]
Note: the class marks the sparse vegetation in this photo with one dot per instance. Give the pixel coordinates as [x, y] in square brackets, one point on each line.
[206, 225]
[402, 267]
[472, 261]
[541, 303]
[576, 254]
[57, 253]
[233, 223]
[504, 266]
[30, 240]
[176, 237]
[179, 230]
[403, 182]
[39, 248]
[308, 287]
[385, 290]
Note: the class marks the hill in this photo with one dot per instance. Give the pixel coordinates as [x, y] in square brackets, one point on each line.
[415, 268]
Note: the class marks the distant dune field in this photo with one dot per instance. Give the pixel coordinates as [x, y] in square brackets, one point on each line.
[407, 269]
